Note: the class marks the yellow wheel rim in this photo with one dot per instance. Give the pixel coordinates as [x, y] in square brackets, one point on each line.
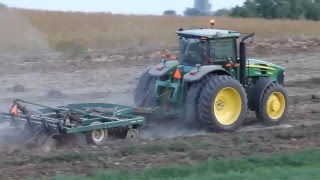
[276, 105]
[227, 106]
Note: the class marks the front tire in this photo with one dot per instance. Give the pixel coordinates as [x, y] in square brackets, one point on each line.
[223, 104]
[273, 107]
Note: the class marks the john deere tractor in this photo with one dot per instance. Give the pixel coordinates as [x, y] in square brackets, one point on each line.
[212, 84]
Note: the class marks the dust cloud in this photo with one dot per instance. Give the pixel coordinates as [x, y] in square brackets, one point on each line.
[18, 35]
[170, 128]
[10, 138]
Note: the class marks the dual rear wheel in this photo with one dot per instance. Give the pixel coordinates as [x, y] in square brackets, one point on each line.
[220, 103]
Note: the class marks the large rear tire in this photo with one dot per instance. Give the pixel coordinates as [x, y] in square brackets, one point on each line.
[222, 104]
[143, 94]
[191, 115]
[273, 107]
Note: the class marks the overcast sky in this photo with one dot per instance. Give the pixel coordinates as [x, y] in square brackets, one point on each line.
[117, 6]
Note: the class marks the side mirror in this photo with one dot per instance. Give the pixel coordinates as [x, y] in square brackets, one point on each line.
[248, 38]
[163, 61]
[249, 41]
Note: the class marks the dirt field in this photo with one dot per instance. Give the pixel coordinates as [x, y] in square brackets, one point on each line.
[57, 79]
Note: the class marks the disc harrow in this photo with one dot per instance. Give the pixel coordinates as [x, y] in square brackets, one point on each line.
[95, 120]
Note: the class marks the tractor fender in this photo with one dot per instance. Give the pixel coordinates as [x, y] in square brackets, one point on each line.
[204, 70]
[162, 68]
[256, 91]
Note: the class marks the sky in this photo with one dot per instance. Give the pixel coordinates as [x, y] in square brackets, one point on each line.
[155, 7]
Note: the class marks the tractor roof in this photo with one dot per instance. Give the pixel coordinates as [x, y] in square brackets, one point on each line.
[209, 33]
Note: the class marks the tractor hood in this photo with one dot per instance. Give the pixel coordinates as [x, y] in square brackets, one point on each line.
[265, 69]
[255, 63]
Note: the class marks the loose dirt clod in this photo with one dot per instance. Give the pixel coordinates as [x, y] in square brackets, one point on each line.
[315, 97]
[55, 94]
[17, 88]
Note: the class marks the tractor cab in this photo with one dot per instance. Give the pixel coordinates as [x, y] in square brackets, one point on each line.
[207, 47]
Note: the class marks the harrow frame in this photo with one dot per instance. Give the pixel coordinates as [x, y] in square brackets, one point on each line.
[77, 118]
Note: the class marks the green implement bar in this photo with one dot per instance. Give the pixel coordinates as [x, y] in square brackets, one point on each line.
[79, 118]
[106, 125]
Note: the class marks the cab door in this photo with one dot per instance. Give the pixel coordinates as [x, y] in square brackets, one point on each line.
[224, 52]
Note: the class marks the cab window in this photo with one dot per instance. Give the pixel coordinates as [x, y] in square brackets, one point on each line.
[223, 49]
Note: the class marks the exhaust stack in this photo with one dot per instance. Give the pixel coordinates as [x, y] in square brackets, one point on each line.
[243, 58]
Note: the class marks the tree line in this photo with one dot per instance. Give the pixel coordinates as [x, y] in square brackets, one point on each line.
[276, 9]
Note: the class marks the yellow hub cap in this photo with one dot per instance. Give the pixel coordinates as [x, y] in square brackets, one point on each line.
[276, 105]
[227, 106]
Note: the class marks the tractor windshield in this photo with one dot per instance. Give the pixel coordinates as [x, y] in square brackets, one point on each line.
[192, 51]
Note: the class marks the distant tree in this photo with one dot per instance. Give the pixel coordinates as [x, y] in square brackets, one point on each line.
[192, 12]
[169, 13]
[312, 12]
[266, 8]
[222, 12]
[2, 6]
[236, 11]
[249, 9]
[296, 9]
[283, 10]
[273, 9]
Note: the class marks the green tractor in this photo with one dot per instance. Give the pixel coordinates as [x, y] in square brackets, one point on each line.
[212, 84]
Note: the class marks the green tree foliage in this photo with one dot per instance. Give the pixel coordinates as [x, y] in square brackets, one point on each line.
[222, 12]
[169, 13]
[2, 6]
[275, 9]
[192, 12]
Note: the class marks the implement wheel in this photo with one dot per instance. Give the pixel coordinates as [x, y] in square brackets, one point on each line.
[132, 135]
[98, 136]
[273, 107]
[222, 104]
